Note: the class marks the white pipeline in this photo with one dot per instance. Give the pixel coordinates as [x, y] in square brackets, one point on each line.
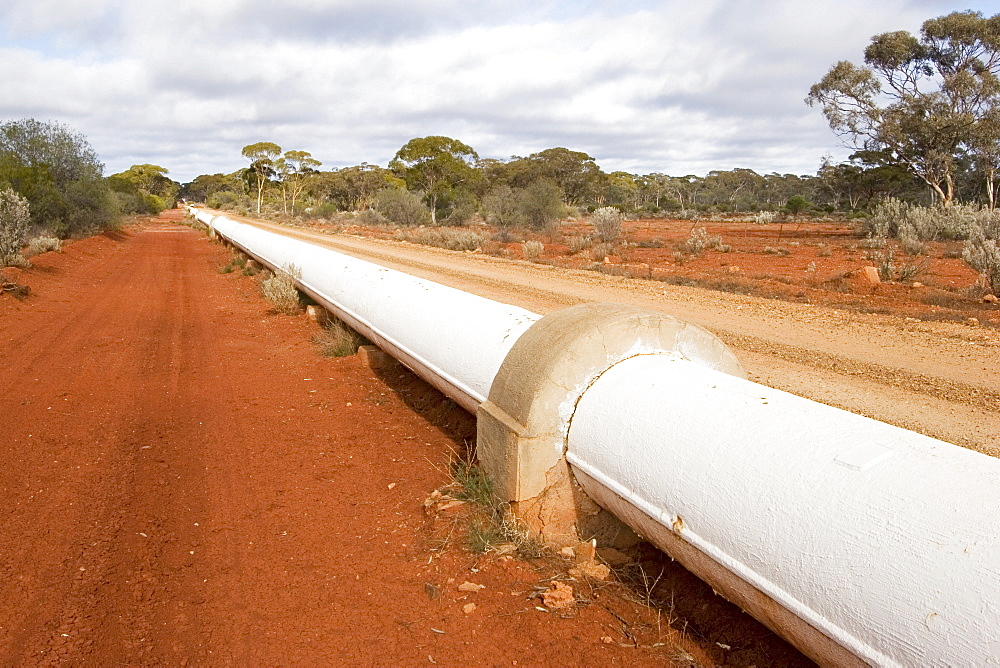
[884, 540]
[879, 539]
[454, 340]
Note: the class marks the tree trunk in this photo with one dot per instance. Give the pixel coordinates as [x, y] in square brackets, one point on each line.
[991, 189]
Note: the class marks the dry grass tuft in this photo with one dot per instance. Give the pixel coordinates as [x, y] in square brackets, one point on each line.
[279, 289]
[337, 339]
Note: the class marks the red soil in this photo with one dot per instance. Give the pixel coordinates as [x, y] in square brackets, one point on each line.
[186, 480]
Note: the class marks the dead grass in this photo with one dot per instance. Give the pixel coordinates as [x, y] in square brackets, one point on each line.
[279, 289]
[336, 339]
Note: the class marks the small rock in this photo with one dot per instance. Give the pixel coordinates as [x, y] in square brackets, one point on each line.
[391, 485]
[592, 570]
[974, 322]
[469, 608]
[559, 596]
[911, 320]
[607, 640]
[990, 299]
[918, 284]
[607, 259]
[470, 586]
[586, 551]
[567, 553]
[870, 275]
[733, 269]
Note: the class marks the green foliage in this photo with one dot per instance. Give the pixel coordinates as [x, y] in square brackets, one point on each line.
[155, 191]
[227, 200]
[797, 204]
[921, 103]
[14, 220]
[401, 207]
[206, 185]
[500, 208]
[296, 168]
[436, 166]
[575, 173]
[262, 156]
[354, 188]
[540, 204]
[896, 219]
[59, 174]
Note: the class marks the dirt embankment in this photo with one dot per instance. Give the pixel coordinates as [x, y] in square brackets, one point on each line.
[186, 480]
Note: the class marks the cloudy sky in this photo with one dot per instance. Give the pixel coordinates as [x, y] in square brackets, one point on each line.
[674, 86]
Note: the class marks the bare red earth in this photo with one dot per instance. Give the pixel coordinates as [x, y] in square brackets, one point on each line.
[185, 480]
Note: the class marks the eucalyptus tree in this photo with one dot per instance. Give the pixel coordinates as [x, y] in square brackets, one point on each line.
[295, 168]
[918, 102]
[262, 156]
[436, 166]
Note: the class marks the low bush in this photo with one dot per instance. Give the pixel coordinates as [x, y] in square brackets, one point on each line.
[532, 249]
[579, 243]
[443, 237]
[14, 220]
[279, 289]
[402, 207]
[607, 222]
[652, 243]
[601, 251]
[983, 254]
[40, 245]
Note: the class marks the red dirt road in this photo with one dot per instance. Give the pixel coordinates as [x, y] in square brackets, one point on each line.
[185, 480]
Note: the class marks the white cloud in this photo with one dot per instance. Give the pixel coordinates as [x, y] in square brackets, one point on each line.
[673, 86]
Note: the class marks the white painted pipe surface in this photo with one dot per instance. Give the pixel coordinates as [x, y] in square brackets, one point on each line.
[883, 539]
[454, 340]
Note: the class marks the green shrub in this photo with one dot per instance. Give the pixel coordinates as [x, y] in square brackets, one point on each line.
[402, 207]
[227, 200]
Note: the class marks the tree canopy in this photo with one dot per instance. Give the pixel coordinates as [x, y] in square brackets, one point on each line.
[58, 172]
[923, 103]
[262, 156]
[436, 166]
